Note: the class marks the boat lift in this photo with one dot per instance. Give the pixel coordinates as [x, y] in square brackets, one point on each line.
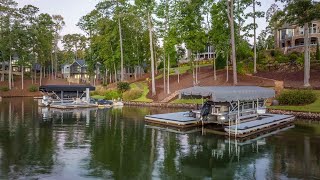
[240, 110]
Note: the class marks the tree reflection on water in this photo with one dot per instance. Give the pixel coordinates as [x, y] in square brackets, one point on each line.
[117, 144]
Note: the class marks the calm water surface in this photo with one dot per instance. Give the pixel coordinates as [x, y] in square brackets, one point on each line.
[39, 143]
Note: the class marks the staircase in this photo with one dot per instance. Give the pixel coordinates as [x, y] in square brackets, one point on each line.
[169, 98]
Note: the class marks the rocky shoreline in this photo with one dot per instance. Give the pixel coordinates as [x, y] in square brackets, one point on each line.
[298, 115]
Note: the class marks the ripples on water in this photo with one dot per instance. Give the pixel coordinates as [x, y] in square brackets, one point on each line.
[40, 143]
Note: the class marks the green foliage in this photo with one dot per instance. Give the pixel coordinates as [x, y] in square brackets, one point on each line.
[123, 86]
[297, 97]
[273, 53]
[132, 94]
[241, 68]
[112, 94]
[33, 88]
[4, 88]
[221, 62]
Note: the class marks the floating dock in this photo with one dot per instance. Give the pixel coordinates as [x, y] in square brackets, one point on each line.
[178, 119]
[238, 111]
[265, 122]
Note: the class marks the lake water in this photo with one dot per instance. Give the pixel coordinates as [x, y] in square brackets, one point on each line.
[39, 143]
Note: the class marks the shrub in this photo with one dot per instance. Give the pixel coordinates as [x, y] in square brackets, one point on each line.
[272, 53]
[132, 94]
[112, 94]
[123, 86]
[33, 88]
[4, 88]
[297, 97]
[241, 68]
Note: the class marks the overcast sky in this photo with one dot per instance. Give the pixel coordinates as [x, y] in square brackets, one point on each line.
[73, 10]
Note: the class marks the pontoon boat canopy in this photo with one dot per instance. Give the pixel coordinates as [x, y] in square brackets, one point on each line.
[66, 88]
[229, 93]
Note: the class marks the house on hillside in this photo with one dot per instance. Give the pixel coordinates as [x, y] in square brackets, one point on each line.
[206, 54]
[75, 72]
[16, 67]
[290, 38]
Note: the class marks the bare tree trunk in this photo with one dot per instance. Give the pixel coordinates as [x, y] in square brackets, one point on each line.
[178, 74]
[35, 74]
[197, 68]
[164, 72]
[227, 79]
[214, 69]
[168, 81]
[306, 56]
[255, 38]
[121, 50]
[3, 69]
[40, 80]
[22, 77]
[56, 61]
[233, 46]
[153, 83]
[10, 72]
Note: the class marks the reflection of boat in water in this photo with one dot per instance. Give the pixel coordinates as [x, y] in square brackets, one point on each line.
[240, 110]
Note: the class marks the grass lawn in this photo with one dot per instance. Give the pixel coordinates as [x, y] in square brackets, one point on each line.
[314, 107]
[187, 101]
[97, 97]
[144, 87]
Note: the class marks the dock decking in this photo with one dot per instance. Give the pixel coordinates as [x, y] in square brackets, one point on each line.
[178, 119]
[266, 121]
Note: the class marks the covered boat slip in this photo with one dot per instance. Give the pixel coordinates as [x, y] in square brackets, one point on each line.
[240, 110]
[67, 91]
[229, 93]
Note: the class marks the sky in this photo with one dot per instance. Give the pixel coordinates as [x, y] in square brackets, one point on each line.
[73, 10]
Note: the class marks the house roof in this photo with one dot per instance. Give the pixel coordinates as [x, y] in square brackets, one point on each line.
[230, 93]
[81, 62]
[69, 88]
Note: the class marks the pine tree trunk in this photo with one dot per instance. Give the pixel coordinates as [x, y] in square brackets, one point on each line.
[56, 62]
[164, 72]
[153, 83]
[10, 73]
[168, 81]
[227, 79]
[306, 56]
[3, 69]
[22, 77]
[255, 38]
[233, 45]
[35, 74]
[121, 50]
[40, 79]
[214, 69]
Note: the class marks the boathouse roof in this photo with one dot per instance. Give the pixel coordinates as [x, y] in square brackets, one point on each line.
[229, 93]
[66, 88]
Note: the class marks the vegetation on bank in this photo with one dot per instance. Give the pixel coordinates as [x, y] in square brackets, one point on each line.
[128, 92]
[302, 95]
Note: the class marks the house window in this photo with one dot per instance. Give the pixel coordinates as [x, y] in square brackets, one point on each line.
[301, 30]
[314, 28]
[290, 33]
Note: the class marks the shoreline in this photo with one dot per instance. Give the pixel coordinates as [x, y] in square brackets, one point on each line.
[297, 114]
